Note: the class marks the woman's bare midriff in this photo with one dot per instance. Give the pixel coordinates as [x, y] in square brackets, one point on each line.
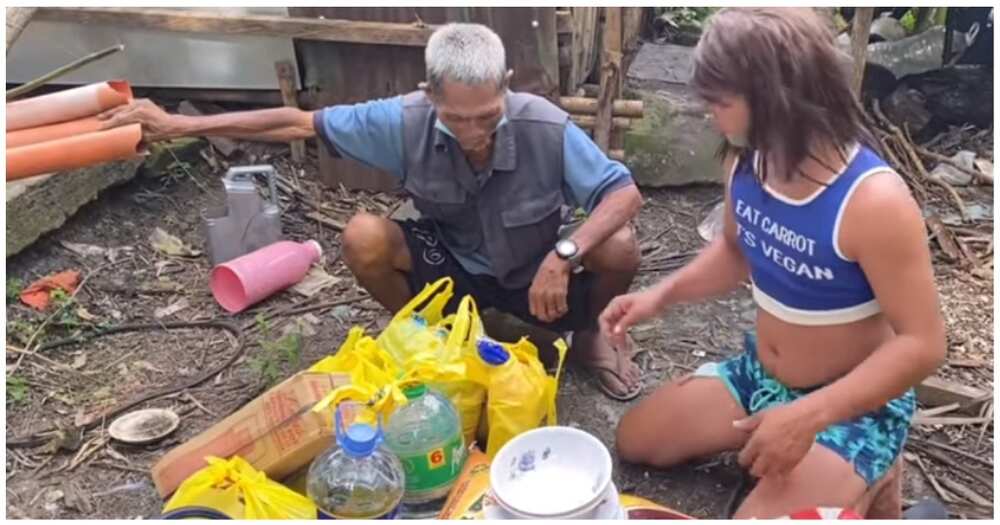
[807, 356]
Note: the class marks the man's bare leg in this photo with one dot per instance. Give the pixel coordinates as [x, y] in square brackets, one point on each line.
[614, 264]
[375, 250]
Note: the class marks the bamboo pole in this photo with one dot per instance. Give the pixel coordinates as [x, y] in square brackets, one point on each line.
[861, 27]
[588, 106]
[28, 87]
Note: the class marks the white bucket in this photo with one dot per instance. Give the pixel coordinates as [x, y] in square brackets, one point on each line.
[552, 473]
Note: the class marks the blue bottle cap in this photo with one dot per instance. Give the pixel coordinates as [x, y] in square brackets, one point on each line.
[492, 352]
[359, 440]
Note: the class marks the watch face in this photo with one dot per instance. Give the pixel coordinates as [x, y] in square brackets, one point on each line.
[566, 248]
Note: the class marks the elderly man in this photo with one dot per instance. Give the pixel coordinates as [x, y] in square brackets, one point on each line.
[491, 172]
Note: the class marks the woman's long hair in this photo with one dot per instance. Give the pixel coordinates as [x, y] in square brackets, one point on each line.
[785, 63]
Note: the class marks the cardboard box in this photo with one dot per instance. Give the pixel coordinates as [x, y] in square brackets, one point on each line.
[277, 433]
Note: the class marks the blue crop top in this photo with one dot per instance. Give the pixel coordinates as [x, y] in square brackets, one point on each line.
[798, 271]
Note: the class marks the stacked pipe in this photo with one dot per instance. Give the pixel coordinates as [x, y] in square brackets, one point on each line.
[60, 131]
[583, 112]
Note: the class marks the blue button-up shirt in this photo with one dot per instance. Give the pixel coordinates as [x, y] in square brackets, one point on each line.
[372, 133]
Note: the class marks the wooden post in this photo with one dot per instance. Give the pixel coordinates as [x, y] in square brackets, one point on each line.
[17, 19]
[286, 82]
[860, 29]
[611, 60]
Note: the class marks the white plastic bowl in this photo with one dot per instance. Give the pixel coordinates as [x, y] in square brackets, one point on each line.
[551, 473]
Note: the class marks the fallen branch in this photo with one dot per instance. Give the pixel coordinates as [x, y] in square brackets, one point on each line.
[945, 461]
[949, 421]
[965, 492]
[908, 148]
[920, 441]
[984, 177]
[945, 496]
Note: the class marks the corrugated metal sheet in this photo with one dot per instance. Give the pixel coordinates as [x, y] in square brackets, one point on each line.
[153, 58]
[337, 73]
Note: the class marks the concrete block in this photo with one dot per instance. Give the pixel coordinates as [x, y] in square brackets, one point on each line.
[42, 204]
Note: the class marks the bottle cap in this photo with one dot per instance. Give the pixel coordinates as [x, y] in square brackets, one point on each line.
[414, 391]
[492, 352]
[360, 439]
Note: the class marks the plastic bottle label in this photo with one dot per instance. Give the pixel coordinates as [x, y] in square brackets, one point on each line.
[434, 469]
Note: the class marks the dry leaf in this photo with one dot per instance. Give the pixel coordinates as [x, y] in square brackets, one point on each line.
[145, 365]
[171, 309]
[168, 244]
[84, 250]
[82, 313]
[315, 281]
[985, 166]
[79, 361]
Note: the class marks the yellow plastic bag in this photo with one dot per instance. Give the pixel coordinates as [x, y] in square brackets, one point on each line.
[413, 328]
[431, 349]
[239, 491]
[461, 377]
[520, 395]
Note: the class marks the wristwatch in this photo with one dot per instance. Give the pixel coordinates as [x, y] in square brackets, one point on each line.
[568, 251]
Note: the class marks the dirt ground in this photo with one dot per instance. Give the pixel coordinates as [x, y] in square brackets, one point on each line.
[72, 476]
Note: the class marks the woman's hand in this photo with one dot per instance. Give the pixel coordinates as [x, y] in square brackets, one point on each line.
[626, 310]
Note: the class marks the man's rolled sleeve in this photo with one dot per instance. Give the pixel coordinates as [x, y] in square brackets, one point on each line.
[368, 132]
[589, 174]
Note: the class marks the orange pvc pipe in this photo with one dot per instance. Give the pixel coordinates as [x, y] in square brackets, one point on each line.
[23, 137]
[73, 152]
[70, 104]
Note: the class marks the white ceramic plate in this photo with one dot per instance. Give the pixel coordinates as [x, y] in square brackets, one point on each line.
[609, 509]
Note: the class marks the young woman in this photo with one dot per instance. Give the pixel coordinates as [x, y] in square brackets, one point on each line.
[848, 320]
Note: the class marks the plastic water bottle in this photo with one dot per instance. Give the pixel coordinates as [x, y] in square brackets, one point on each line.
[426, 436]
[357, 479]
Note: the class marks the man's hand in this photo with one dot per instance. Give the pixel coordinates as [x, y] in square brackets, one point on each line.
[547, 296]
[626, 310]
[156, 123]
[780, 437]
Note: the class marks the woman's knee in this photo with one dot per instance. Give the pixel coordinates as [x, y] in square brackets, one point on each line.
[637, 443]
[367, 242]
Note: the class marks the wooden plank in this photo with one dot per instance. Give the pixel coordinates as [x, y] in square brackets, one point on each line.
[949, 421]
[286, 83]
[584, 46]
[331, 30]
[632, 24]
[17, 20]
[564, 22]
[611, 60]
[860, 29]
[935, 391]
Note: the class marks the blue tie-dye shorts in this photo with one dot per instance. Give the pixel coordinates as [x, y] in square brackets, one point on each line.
[870, 442]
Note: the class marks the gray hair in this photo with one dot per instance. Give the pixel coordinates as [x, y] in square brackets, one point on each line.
[468, 53]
